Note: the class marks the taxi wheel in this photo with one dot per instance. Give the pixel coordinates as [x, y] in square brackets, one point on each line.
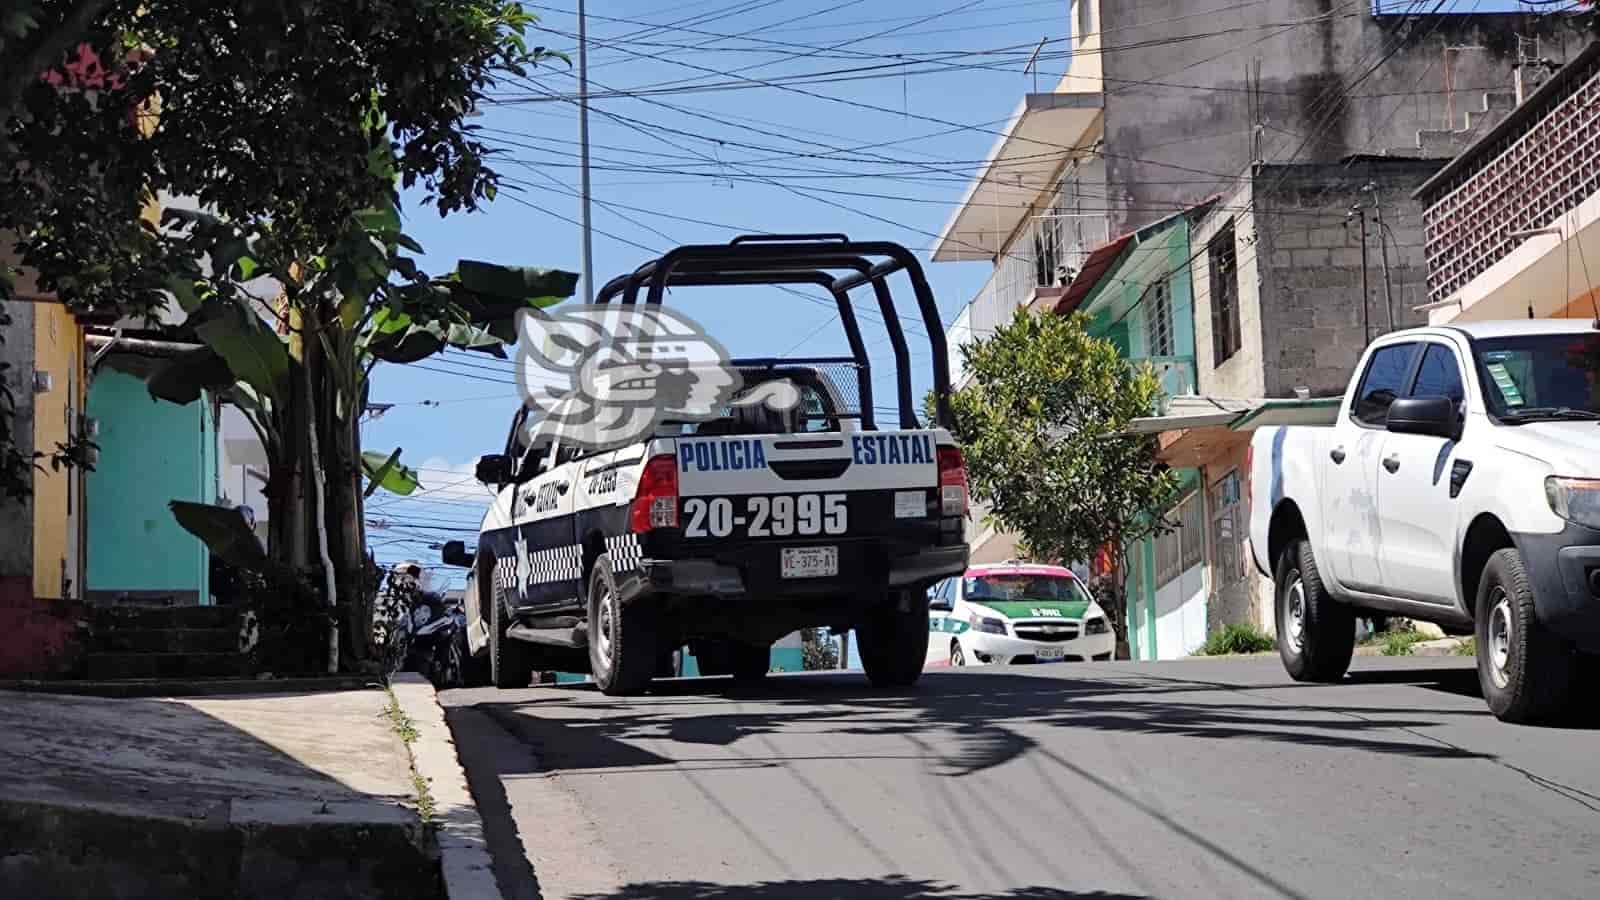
[957, 658]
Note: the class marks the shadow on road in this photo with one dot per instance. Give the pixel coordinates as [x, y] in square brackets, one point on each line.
[891, 888]
[974, 717]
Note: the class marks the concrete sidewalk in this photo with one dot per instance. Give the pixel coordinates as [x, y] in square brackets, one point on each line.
[289, 795]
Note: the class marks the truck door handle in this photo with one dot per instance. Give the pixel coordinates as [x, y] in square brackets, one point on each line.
[1392, 463]
[1337, 454]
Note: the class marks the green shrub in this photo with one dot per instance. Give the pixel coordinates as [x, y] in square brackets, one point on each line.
[1237, 638]
[1468, 647]
[1398, 643]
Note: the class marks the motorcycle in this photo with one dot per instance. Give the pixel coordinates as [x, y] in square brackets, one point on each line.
[419, 630]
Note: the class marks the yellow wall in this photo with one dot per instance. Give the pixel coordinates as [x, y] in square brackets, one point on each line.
[57, 496]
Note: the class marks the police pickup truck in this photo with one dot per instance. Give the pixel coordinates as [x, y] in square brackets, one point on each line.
[726, 534]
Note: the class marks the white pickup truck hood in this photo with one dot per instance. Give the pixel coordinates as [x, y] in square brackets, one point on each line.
[1569, 448]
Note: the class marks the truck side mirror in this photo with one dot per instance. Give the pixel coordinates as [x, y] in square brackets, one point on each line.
[494, 469]
[455, 554]
[1432, 416]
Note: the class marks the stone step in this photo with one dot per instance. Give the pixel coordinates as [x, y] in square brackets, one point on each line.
[1503, 101]
[145, 618]
[107, 666]
[167, 640]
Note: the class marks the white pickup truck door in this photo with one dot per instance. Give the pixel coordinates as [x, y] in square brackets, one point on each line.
[1416, 510]
[1351, 524]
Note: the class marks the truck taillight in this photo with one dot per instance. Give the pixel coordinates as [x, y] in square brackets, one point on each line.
[655, 504]
[952, 482]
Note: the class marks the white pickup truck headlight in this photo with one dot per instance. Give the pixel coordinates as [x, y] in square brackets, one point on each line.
[1575, 499]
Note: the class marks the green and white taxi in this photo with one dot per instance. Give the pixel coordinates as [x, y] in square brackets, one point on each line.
[1016, 613]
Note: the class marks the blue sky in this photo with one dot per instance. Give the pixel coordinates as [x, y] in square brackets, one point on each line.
[702, 166]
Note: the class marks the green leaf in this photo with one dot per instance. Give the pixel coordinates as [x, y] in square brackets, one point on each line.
[184, 378]
[375, 478]
[520, 283]
[387, 472]
[184, 290]
[247, 268]
[408, 242]
[223, 531]
[254, 352]
[383, 220]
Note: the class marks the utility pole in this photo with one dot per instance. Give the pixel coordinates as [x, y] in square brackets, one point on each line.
[1383, 249]
[1360, 212]
[583, 143]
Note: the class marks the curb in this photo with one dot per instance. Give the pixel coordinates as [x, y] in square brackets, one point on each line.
[463, 849]
[190, 687]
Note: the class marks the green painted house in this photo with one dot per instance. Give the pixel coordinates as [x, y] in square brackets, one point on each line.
[1137, 291]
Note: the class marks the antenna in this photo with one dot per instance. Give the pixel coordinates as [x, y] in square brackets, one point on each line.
[1033, 63]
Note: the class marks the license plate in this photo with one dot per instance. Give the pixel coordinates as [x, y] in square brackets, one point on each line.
[1049, 654]
[809, 562]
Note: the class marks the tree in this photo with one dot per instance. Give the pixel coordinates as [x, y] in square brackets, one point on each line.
[818, 651]
[1042, 426]
[343, 309]
[262, 110]
[291, 124]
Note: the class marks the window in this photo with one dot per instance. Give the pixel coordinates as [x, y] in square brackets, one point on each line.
[1086, 18]
[1532, 376]
[1158, 320]
[1439, 375]
[1227, 516]
[1181, 549]
[1225, 334]
[1384, 380]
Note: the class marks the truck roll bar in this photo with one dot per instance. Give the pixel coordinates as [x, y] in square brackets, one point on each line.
[783, 259]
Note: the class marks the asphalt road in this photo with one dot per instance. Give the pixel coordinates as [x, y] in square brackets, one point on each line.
[1206, 778]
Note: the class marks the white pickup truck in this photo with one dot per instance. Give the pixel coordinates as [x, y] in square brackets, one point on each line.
[1460, 486]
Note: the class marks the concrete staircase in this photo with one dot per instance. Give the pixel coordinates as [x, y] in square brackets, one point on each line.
[176, 642]
[1444, 143]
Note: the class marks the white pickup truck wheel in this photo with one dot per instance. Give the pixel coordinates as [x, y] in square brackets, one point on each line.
[1525, 671]
[1316, 634]
[622, 637]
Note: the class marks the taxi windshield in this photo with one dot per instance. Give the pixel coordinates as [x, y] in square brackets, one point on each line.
[1025, 587]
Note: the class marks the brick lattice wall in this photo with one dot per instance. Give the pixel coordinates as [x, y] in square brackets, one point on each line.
[1533, 177]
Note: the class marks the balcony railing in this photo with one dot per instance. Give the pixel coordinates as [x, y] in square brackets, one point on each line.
[1177, 375]
[1525, 181]
[1019, 275]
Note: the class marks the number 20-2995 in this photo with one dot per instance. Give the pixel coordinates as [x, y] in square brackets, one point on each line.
[785, 515]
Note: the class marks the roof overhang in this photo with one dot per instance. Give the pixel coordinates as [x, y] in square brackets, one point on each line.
[1202, 413]
[1045, 132]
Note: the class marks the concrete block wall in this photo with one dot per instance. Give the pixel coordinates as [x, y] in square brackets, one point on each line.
[1309, 266]
[1241, 374]
[1181, 101]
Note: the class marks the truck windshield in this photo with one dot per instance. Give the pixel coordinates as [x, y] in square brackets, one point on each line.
[1541, 376]
[1025, 587]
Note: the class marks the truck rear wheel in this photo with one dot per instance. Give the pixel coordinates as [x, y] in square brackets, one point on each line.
[1526, 672]
[1316, 633]
[622, 638]
[894, 643]
[751, 662]
[510, 660]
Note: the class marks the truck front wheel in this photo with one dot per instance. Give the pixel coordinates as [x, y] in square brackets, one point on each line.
[1316, 634]
[510, 660]
[1526, 672]
[894, 643]
[622, 638]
